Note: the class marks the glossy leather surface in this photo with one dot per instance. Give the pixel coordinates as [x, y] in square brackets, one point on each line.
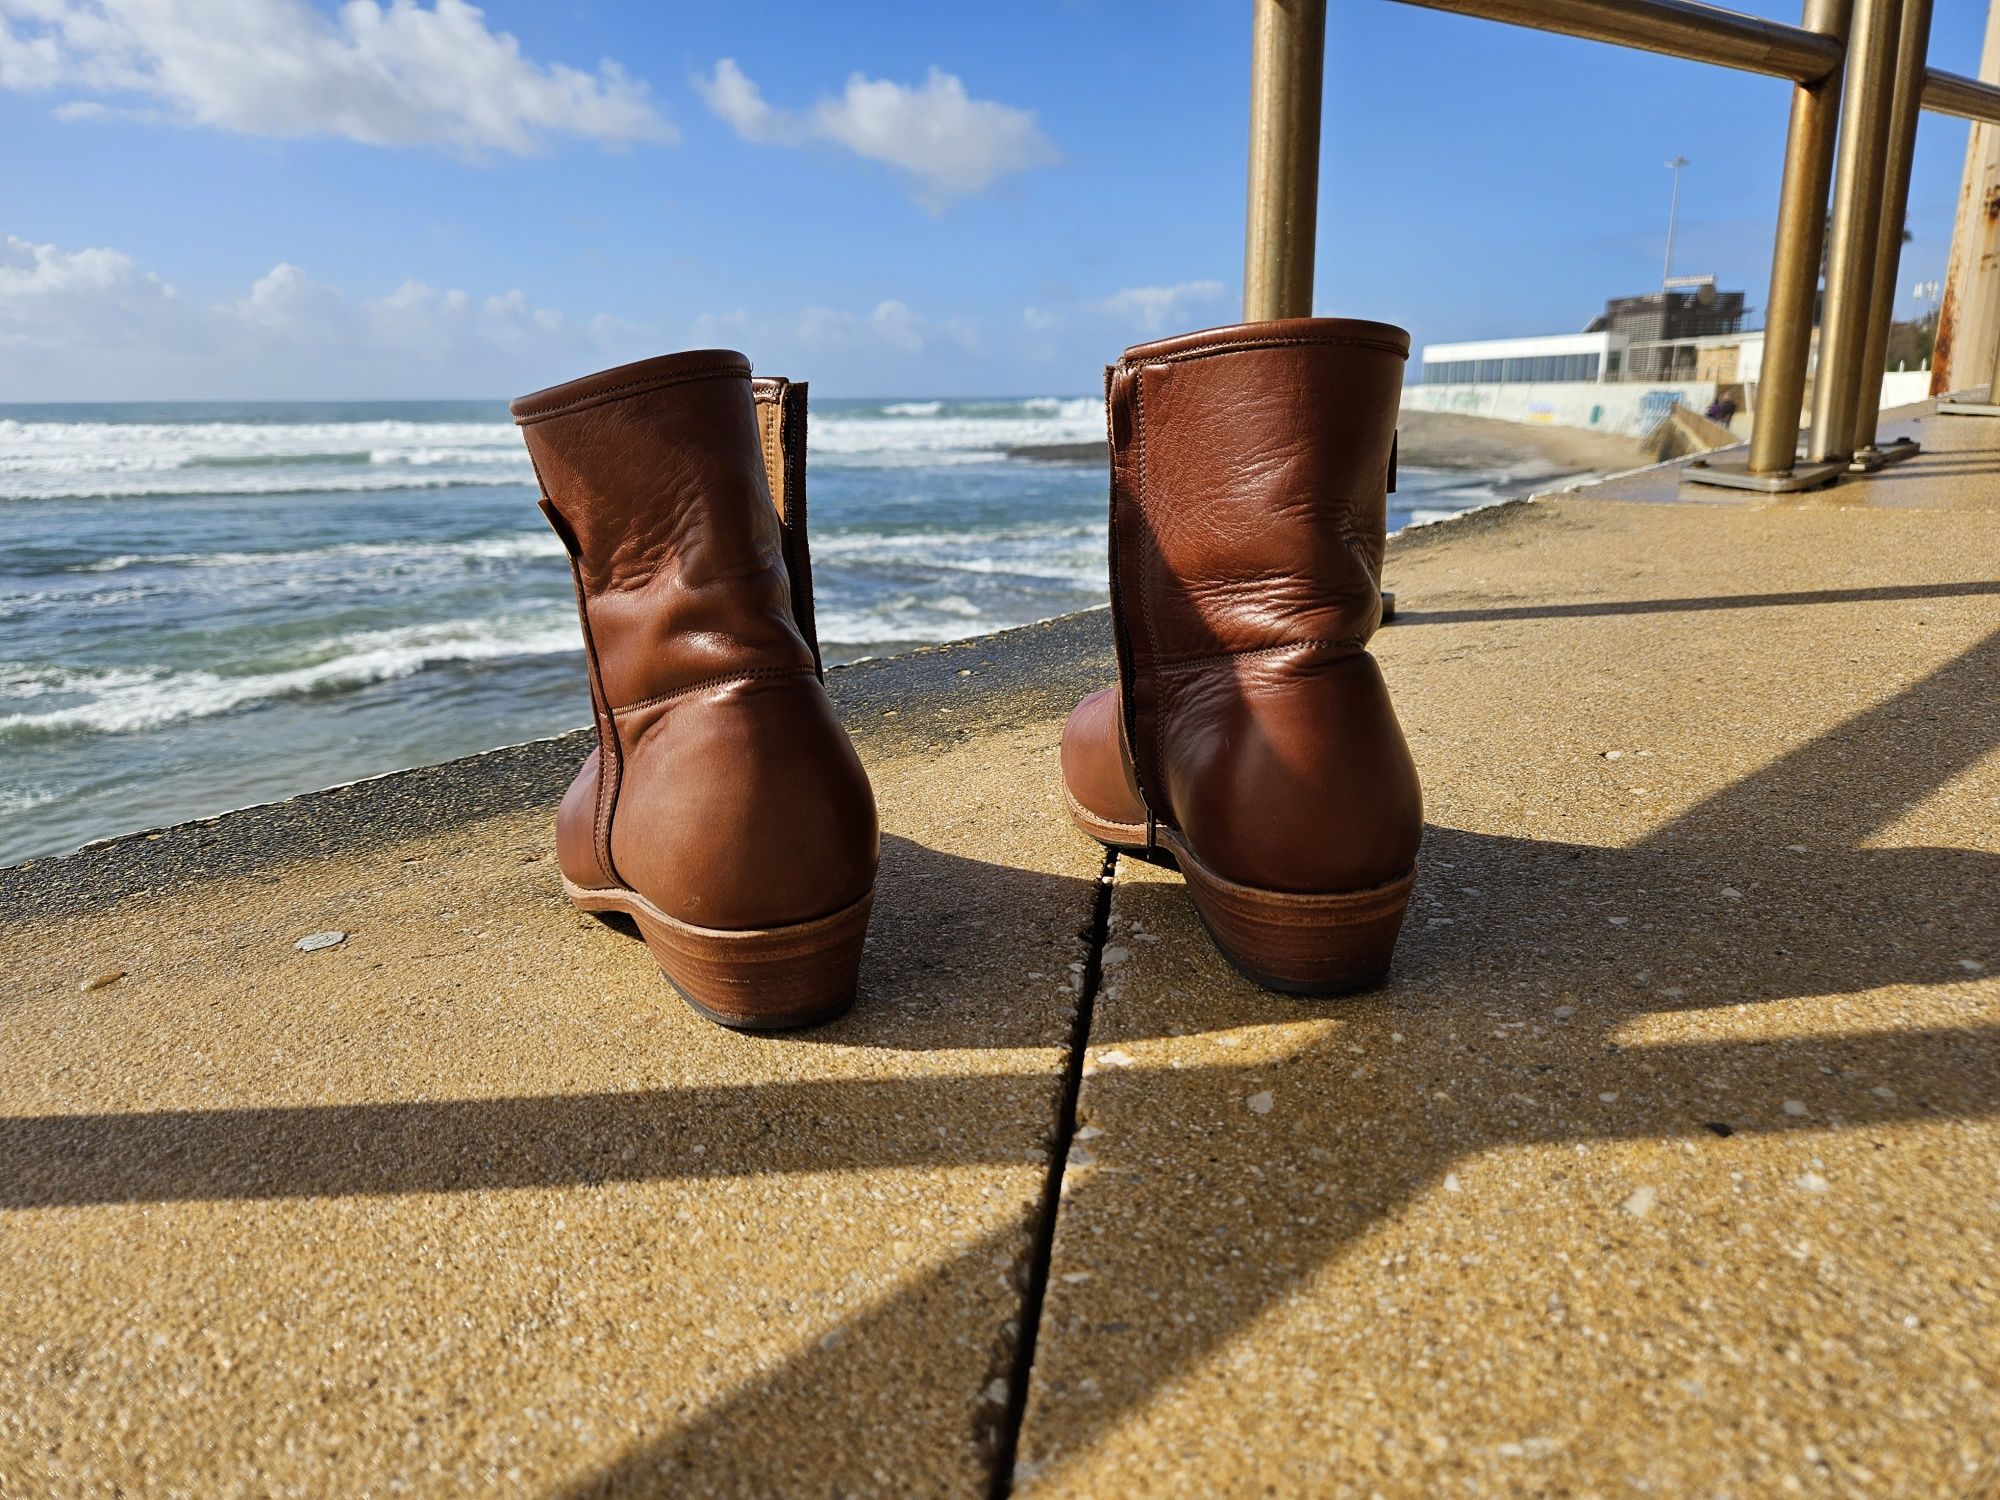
[723, 789]
[1250, 467]
[1095, 766]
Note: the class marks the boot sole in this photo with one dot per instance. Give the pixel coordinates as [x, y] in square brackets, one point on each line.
[763, 979]
[1297, 944]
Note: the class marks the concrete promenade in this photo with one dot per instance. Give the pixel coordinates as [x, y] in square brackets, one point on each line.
[1668, 1162]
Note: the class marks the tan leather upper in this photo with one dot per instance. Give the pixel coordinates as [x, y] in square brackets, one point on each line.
[1250, 467]
[723, 789]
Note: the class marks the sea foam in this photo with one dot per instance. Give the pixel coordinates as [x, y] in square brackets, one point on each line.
[122, 701]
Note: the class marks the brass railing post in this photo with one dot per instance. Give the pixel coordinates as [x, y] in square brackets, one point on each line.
[1857, 217]
[1287, 60]
[1913, 40]
[1795, 255]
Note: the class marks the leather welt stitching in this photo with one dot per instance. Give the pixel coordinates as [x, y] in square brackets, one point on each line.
[708, 682]
[633, 388]
[1202, 351]
[1347, 644]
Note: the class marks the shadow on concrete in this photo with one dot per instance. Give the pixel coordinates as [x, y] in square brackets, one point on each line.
[1885, 594]
[924, 987]
[473, 1145]
[1824, 921]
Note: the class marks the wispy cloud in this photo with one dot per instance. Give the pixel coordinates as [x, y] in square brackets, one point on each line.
[893, 325]
[948, 142]
[394, 74]
[1152, 309]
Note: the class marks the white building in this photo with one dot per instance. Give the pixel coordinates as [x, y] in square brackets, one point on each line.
[1551, 359]
[1564, 379]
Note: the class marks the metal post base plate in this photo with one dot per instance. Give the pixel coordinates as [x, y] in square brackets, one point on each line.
[1733, 472]
[1950, 408]
[1868, 460]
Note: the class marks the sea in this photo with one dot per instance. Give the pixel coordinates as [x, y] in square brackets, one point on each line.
[205, 606]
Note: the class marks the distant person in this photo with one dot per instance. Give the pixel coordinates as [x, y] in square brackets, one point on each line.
[1721, 410]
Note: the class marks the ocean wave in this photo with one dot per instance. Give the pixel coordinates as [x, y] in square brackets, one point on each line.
[128, 701]
[136, 460]
[954, 435]
[205, 482]
[928, 618]
[490, 548]
[24, 679]
[841, 543]
[266, 460]
[20, 799]
[142, 460]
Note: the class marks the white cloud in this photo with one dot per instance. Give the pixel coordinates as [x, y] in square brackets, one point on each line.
[94, 324]
[736, 101]
[1151, 309]
[394, 74]
[895, 324]
[949, 142]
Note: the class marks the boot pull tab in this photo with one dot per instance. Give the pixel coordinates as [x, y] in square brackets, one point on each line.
[1395, 439]
[561, 528]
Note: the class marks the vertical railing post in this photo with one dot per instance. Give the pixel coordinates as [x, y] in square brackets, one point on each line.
[1913, 42]
[1857, 216]
[1287, 60]
[1966, 318]
[1993, 374]
[1795, 255]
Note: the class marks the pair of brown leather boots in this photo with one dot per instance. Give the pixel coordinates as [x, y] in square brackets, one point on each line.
[1249, 738]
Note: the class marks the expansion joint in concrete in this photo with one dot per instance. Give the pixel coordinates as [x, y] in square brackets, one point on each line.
[1043, 1249]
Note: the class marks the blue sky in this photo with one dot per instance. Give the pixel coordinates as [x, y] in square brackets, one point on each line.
[235, 198]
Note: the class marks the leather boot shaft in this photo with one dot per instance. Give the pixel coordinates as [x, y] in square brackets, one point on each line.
[723, 791]
[1250, 468]
[656, 479]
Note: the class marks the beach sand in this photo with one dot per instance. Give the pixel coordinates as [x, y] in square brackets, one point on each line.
[1527, 457]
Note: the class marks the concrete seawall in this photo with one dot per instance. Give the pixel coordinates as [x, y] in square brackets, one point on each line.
[1631, 409]
[1663, 1162]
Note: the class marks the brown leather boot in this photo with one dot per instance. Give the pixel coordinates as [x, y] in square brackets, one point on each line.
[1250, 735]
[724, 809]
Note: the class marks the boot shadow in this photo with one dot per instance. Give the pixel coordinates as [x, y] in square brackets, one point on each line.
[961, 953]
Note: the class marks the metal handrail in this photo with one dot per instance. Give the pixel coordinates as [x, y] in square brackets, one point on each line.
[1677, 28]
[1859, 76]
[1967, 98]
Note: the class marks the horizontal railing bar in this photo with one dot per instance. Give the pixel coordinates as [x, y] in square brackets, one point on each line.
[1678, 28]
[1967, 98]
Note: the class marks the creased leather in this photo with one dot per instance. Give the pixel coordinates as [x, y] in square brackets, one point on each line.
[1249, 472]
[723, 788]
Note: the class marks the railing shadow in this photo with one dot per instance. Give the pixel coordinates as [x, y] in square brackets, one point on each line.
[1582, 611]
[1825, 921]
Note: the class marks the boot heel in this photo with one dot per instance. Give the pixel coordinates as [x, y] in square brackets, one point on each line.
[771, 979]
[1299, 944]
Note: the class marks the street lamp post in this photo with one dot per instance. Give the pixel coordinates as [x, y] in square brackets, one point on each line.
[1673, 218]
